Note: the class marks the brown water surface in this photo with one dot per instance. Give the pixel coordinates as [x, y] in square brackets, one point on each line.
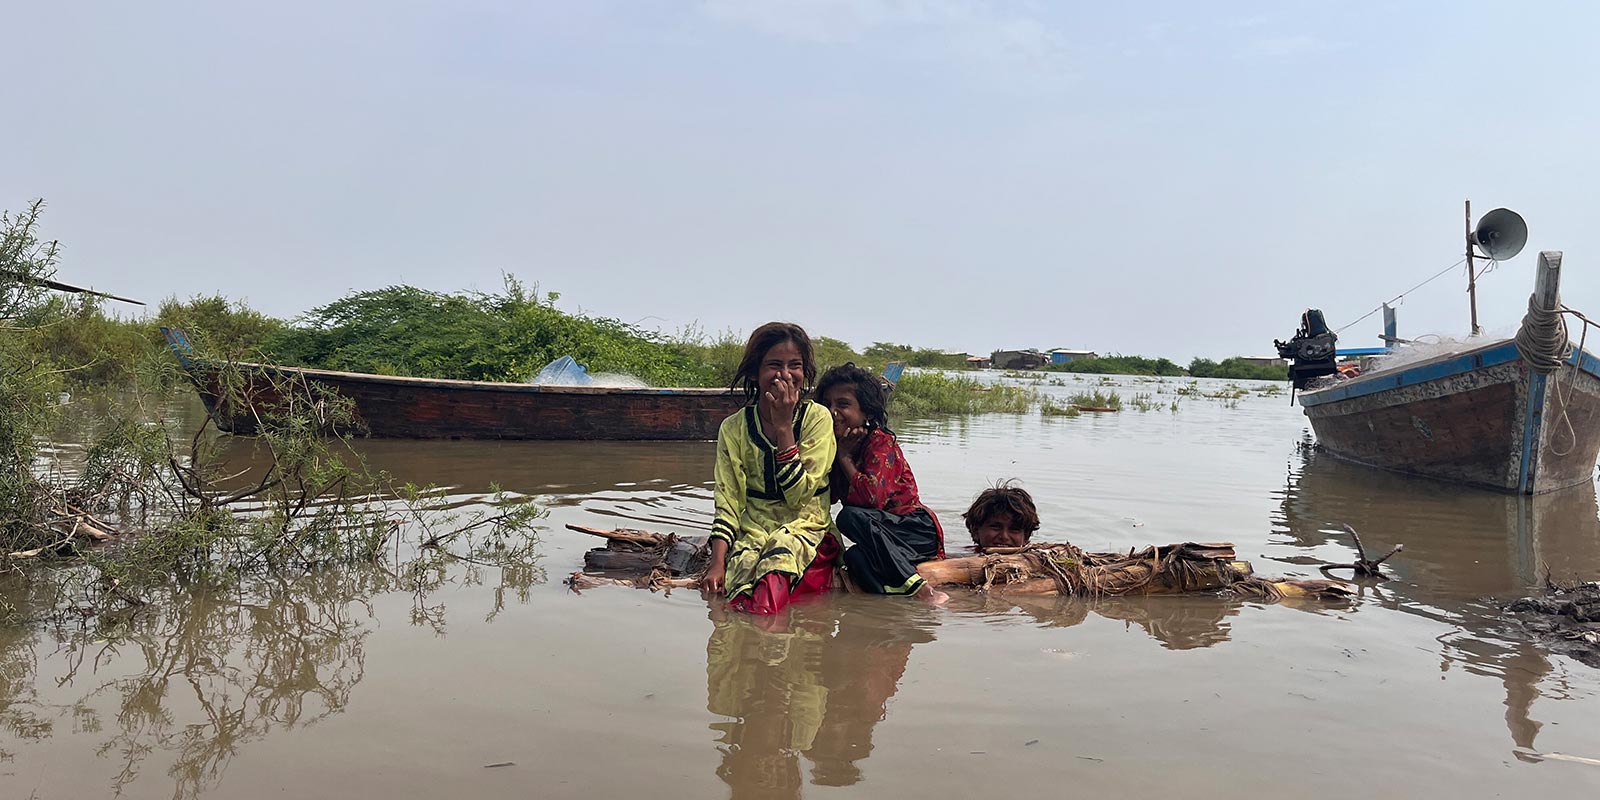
[508, 685]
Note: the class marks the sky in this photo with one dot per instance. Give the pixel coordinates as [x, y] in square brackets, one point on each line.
[1160, 178]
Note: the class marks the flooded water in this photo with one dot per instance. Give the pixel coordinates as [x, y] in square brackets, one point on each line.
[509, 685]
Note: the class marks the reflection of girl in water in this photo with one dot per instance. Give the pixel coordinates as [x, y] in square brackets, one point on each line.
[768, 686]
[799, 691]
[770, 540]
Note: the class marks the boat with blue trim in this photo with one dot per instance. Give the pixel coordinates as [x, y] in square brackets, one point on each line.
[1518, 415]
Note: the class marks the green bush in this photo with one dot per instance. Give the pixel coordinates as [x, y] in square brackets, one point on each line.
[1236, 368]
[1119, 365]
[881, 353]
[506, 336]
[217, 324]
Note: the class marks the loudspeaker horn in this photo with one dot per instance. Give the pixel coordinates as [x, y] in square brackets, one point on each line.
[1501, 234]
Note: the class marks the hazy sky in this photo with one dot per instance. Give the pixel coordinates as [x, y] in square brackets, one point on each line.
[1163, 178]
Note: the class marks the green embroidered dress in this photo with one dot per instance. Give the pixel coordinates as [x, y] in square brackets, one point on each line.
[772, 515]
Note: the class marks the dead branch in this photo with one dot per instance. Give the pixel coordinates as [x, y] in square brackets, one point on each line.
[1363, 567]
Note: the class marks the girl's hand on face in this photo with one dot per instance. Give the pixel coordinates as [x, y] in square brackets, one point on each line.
[848, 438]
[777, 405]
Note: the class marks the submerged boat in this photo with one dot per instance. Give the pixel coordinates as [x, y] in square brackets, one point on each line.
[400, 407]
[1517, 415]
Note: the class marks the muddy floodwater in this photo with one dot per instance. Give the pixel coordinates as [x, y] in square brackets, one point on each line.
[508, 685]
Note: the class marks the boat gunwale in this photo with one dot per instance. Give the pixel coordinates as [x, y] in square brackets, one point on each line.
[489, 386]
[1452, 364]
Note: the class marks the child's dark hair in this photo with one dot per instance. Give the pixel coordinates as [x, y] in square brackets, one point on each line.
[763, 339]
[1003, 499]
[870, 396]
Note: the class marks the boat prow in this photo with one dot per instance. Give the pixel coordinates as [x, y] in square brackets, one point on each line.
[1494, 416]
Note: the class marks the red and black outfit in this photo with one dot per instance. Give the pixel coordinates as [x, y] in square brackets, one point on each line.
[891, 530]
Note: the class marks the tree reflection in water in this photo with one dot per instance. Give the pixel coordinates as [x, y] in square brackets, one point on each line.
[198, 678]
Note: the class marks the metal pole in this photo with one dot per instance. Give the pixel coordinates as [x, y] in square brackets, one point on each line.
[1472, 279]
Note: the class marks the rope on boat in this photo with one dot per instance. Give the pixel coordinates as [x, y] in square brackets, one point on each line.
[1583, 338]
[1542, 341]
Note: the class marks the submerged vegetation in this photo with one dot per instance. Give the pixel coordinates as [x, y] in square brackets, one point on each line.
[1051, 408]
[149, 508]
[1097, 399]
[924, 393]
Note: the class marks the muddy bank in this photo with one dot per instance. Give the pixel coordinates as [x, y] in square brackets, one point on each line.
[1566, 620]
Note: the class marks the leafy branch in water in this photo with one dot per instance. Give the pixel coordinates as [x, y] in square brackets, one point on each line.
[172, 514]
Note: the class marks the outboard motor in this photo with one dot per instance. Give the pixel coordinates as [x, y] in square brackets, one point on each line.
[1311, 352]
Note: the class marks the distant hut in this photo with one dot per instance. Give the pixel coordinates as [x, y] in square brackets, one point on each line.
[1264, 361]
[978, 362]
[1062, 355]
[1018, 359]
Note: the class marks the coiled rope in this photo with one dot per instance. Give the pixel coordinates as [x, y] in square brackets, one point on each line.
[1542, 342]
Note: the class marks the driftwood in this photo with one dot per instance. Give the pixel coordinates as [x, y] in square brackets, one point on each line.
[641, 559]
[1363, 567]
[656, 561]
[73, 524]
[1048, 569]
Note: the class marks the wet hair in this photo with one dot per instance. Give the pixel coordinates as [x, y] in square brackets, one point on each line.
[870, 396]
[1003, 498]
[763, 339]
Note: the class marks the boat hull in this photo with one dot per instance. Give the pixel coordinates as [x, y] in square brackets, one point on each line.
[420, 408]
[1481, 418]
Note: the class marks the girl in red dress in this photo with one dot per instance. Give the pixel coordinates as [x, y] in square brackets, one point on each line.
[891, 530]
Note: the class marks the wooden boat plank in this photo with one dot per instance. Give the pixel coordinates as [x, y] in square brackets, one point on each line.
[1462, 437]
[414, 408]
[334, 376]
[1570, 431]
[1444, 366]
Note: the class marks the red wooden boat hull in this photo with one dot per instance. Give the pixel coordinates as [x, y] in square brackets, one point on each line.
[423, 408]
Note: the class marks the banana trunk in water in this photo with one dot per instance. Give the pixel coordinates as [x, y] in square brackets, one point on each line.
[656, 561]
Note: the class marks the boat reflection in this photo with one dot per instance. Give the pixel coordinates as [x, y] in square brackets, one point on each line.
[1461, 545]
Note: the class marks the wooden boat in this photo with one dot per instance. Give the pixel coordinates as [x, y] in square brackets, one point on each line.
[1503, 415]
[399, 407]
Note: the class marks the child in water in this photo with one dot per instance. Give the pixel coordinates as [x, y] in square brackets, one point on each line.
[769, 540]
[891, 530]
[1002, 516]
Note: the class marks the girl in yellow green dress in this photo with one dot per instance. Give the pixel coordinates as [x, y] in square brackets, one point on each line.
[769, 540]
